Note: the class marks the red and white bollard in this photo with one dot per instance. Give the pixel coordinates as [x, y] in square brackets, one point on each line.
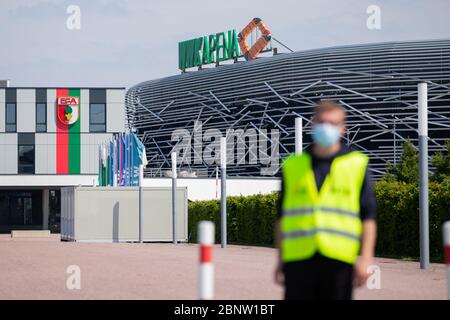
[206, 269]
[446, 235]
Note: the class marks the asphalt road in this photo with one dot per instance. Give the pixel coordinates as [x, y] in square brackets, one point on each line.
[36, 269]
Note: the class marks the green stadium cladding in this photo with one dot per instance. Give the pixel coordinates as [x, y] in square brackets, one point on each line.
[376, 83]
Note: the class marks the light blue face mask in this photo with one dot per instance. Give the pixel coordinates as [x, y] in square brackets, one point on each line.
[325, 134]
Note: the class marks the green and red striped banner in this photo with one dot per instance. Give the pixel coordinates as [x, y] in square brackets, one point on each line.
[68, 146]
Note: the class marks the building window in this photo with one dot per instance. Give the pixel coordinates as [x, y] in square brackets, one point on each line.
[97, 117]
[11, 119]
[41, 110]
[26, 153]
[26, 159]
[41, 117]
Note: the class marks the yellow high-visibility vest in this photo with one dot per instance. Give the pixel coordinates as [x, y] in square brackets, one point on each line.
[328, 221]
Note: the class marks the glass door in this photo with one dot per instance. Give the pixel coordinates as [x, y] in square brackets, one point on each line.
[27, 210]
[21, 209]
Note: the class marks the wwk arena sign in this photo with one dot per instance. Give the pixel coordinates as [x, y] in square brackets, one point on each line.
[68, 109]
[223, 46]
[208, 49]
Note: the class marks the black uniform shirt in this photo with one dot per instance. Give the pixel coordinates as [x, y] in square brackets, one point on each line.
[321, 168]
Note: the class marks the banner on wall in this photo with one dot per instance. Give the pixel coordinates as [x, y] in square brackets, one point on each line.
[68, 148]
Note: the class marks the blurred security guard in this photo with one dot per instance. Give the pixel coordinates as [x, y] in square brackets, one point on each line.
[326, 214]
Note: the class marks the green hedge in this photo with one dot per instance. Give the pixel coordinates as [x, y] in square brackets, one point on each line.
[398, 217]
[251, 219]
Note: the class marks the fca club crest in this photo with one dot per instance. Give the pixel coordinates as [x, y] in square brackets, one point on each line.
[68, 109]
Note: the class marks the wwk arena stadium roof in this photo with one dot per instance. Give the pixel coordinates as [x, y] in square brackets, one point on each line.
[376, 83]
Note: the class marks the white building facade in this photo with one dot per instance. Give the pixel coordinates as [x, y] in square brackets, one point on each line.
[49, 138]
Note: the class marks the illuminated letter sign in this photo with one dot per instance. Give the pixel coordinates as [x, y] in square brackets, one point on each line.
[223, 46]
[208, 49]
[68, 109]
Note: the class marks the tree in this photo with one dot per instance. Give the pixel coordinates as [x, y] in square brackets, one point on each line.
[390, 174]
[441, 161]
[407, 169]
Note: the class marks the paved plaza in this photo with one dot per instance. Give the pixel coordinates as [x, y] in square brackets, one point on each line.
[36, 269]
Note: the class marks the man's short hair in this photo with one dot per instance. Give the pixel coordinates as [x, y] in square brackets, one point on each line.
[328, 105]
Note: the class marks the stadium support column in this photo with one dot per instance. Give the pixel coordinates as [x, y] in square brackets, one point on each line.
[298, 135]
[423, 173]
[223, 191]
[174, 193]
[45, 208]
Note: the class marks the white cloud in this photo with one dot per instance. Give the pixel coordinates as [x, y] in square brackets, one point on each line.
[122, 42]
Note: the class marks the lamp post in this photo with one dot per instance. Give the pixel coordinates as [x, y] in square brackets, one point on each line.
[298, 135]
[223, 191]
[174, 202]
[423, 173]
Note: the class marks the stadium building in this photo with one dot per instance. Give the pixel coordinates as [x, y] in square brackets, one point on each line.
[49, 138]
[377, 83]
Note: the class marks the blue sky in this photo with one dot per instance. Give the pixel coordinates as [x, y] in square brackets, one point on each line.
[123, 42]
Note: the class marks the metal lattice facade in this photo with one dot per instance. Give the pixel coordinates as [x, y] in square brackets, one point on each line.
[377, 83]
